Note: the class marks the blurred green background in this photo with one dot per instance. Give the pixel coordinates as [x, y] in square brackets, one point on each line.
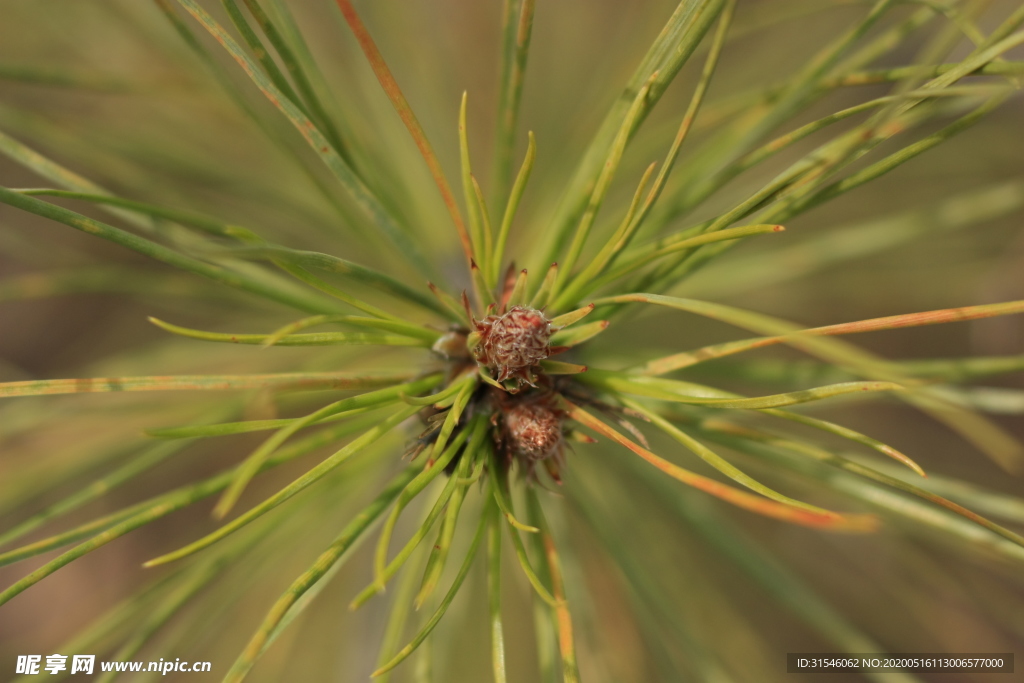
[109, 90]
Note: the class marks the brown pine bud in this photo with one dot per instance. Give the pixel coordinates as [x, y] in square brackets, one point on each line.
[513, 343]
[534, 430]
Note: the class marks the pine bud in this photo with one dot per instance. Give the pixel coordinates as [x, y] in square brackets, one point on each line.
[513, 343]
